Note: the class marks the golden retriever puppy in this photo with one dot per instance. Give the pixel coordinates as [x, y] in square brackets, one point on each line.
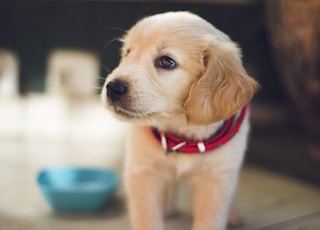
[181, 83]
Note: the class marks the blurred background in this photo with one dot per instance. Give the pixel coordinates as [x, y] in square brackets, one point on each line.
[55, 55]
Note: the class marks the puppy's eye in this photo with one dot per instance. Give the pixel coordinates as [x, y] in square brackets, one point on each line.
[127, 52]
[165, 62]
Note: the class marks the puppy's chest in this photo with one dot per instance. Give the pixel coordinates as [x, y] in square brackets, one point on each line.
[185, 165]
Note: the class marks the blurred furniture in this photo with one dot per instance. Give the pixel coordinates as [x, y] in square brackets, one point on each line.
[294, 27]
[9, 69]
[72, 74]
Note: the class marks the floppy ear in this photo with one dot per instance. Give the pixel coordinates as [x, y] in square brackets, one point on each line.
[223, 88]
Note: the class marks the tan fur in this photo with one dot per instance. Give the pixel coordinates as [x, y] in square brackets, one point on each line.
[207, 86]
[224, 88]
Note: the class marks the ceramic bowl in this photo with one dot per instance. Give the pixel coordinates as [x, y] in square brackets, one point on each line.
[74, 189]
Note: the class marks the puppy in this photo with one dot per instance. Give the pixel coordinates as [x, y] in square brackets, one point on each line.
[181, 83]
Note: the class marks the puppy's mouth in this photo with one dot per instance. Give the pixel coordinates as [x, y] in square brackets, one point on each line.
[130, 114]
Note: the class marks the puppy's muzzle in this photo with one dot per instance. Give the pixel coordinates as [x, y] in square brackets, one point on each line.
[116, 89]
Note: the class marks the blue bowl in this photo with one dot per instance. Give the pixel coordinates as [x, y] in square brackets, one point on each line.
[72, 189]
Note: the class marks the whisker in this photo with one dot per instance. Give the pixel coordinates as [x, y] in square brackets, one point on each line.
[96, 86]
[105, 68]
[117, 29]
[101, 78]
[100, 83]
[116, 39]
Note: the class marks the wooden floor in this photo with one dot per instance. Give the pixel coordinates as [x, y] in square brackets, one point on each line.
[265, 200]
[271, 201]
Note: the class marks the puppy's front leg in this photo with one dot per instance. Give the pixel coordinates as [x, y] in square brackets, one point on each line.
[145, 197]
[211, 201]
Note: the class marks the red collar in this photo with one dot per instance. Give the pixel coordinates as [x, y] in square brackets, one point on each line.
[172, 143]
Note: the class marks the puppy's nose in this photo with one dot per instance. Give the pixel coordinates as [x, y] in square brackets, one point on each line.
[116, 89]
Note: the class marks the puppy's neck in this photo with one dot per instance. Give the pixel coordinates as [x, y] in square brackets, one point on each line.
[188, 131]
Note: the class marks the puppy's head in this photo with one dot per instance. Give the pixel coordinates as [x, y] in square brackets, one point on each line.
[177, 66]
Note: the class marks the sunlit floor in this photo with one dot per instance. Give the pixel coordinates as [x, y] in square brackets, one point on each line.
[264, 199]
